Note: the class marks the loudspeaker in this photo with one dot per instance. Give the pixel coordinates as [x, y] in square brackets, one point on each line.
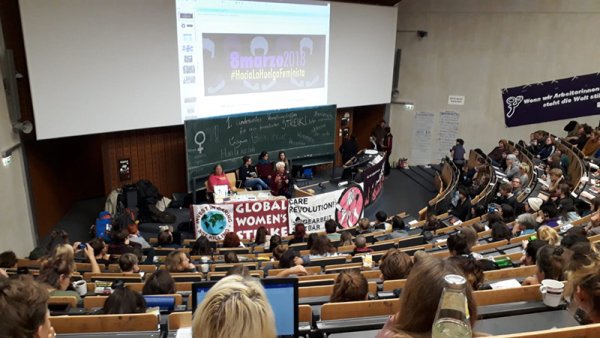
[396, 75]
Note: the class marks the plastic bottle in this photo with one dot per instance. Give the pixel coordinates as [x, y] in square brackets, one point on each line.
[452, 316]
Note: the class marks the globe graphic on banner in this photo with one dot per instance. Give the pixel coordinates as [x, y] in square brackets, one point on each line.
[213, 222]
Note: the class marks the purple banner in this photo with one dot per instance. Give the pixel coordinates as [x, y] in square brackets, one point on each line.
[552, 100]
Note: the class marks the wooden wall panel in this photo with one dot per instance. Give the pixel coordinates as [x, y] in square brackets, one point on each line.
[156, 154]
[365, 120]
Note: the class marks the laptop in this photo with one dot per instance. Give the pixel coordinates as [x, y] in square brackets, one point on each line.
[282, 294]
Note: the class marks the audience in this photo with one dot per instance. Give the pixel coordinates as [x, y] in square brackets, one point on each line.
[159, 283]
[235, 307]
[382, 223]
[346, 238]
[398, 229]
[360, 243]
[395, 264]
[100, 251]
[165, 240]
[56, 273]
[260, 238]
[124, 301]
[584, 288]
[364, 226]
[201, 247]
[524, 225]
[551, 263]
[8, 260]
[531, 250]
[420, 299]
[350, 286]
[299, 234]
[546, 233]
[322, 248]
[24, 308]
[231, 258]
[472, 269]
[292, 263]
[463, 206]
[232, 240]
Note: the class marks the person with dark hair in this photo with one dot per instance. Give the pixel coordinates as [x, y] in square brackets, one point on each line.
[472, 269]
[159, 283]
[583, 287]
[500, 232]
[124, 301]
[238, 269]
[120, 243]
[398, 229]
[478, 210]
[129, 263]
[56, 274]
[508, 213]
[201, 247]
[292, 263]
[232, 240]
[350, 286]
[379, 133]
[8, 260]
[261, 236]
[322, 248]
[249, 177]
[231, 258]
[458, 153]
[348, 150]
[274, 241]
[551, 262]
[24, 308]
[498, 154]
[432, 223]
[506, 196]
[395, 264]
[570, 239]
[299, 234]
[281, 157]
[165, 240]
[217, 178]
[458, 244]
[531, 250]
[100, 251]
[312, 238]
[278, 251]
[330, 228]
[463, 205]
[386, 145]
[382, 223]
[549, 215]
[547, 149]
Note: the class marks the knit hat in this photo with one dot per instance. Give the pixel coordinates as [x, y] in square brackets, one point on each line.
[511, 157]
[535, 203]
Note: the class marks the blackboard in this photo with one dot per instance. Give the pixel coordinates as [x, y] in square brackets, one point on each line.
[300, 132]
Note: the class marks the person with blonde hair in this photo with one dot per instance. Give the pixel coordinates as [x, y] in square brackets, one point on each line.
[546, 233]
[178, 261]
[524, 174]
[235, 307]
[584, 287]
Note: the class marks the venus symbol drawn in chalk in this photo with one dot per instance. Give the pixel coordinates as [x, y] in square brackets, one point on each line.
[199, 143]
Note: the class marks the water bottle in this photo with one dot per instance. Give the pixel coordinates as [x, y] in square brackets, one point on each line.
[452, 316]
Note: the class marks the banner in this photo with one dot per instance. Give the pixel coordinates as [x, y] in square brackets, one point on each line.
[249, 216]
[373, 182]
[552, 100]
[213, 220]
[345, 206]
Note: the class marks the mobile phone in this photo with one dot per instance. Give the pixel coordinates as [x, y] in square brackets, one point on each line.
[81, 246]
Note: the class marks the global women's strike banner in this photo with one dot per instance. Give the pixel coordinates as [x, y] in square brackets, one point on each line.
[244, 218]
[552, 100]
[213, 220]
[249, 216]
[345, 206]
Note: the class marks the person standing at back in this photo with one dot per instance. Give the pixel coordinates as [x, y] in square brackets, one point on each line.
[387, 144]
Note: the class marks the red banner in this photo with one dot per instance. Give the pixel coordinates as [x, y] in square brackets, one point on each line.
[250, 216]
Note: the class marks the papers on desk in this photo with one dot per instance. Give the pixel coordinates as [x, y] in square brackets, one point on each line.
[414, 221]
[587, 195]
[543, 182]
[371, 151]
[506, 284]
[185, 332]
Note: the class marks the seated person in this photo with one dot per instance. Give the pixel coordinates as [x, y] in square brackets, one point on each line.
[382, 223]
[500, 230]
[292, 263]
[506, 196]
[264, 167]
[531, 249]
[236, 306]
[546, 233]
[458, 245]
[524, 225]
[299, 234]
[232, 240]
[350, 286]
[398, 229]
[395, 264]
[472, 269]
[517, 186]
[322, 248]
[330, 228]
[420, 298]
[129, 263]
[201, 247]
[159, 283]
[364, 226]
[249, 177]
[274, 241]
[165, 240]
[24, 308]
[360, 243]
[8, 260]
[551, 263]
[124, 301]
[100, 251]
[547, 149]
[231, 258]
[549, 215]
[178, 261]
[55, 274]
[280, 185]
[346, 239]
[217, 177]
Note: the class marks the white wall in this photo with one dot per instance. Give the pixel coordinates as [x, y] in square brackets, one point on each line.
[475, 48]
[16, 227]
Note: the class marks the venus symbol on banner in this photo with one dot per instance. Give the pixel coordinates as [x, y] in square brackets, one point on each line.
[512, 103]
[350, 207]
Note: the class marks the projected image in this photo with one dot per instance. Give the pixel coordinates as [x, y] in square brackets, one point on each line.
[245, 64]
[249, 56]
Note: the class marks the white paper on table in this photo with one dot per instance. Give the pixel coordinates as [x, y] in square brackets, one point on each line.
[185, 332]
[413, 222]
[506, 284]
